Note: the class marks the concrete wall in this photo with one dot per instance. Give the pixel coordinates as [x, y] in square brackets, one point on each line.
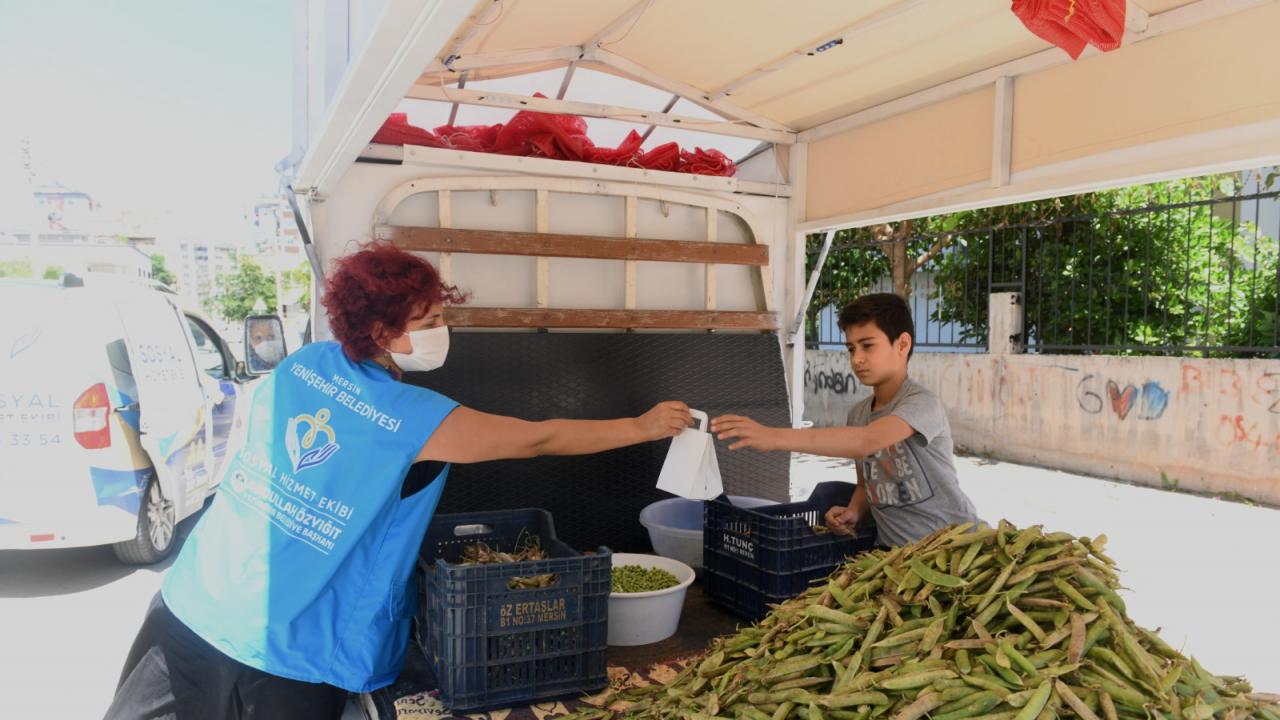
[1210, 425]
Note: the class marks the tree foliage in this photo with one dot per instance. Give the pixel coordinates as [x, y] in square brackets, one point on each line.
[240, 291]
[160, 272]
[20, 268]
[1150, 265]
[300, 278]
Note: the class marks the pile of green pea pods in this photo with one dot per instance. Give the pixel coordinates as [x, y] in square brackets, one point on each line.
[966, 624]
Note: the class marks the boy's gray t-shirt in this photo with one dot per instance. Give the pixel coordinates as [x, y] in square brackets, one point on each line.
[912, 485]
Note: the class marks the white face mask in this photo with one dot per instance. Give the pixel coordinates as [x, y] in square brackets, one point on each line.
[270, 351]
[430, 348]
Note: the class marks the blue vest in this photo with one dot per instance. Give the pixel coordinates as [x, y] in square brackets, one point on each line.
[303, 565]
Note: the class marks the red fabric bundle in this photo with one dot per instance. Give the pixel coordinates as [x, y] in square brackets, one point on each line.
[468, 137]
[397, 131]
[664, 157]
[559, 137]
[624, 154]
[705, 162]
[1071, 24]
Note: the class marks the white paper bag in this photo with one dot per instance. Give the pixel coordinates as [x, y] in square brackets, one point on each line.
[691, 469]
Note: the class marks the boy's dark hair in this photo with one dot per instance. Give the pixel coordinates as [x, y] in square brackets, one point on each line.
[888, 311]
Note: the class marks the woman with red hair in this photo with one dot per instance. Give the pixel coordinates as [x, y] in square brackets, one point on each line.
[296, 586]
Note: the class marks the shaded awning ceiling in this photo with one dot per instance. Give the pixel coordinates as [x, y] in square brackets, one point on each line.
[757, 59]
[900, 106]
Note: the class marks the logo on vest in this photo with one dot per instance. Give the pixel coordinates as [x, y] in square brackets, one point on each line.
[301, 436]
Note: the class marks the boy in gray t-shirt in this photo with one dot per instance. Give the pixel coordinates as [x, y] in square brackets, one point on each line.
[899, 436]
[911, 485]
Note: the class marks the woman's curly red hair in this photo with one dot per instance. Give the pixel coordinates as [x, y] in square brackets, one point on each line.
[380, 284]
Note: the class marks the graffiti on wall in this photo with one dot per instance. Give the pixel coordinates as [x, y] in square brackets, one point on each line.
[1249, 402]
[987, 385]
[1094, 397]
[1237, 431]
[1234, 403]
[976, 385]
[1262, 391]
[1207, 420]
[820, 380]
[830, 388]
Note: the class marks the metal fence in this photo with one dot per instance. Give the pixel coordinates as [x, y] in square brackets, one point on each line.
[857, 264]
[1191, 276]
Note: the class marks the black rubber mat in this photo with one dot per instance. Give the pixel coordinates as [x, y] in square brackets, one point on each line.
[596, 499]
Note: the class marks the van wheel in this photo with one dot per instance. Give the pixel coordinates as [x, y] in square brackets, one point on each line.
[157, 522]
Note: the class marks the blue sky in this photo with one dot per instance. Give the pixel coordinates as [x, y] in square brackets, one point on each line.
[149, 104]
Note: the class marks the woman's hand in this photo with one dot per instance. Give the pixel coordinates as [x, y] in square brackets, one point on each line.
[664, 420]
[841, 520]
[750, 434]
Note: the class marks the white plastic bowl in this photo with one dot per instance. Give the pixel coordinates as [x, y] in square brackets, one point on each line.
[646, 617]
[675, 526]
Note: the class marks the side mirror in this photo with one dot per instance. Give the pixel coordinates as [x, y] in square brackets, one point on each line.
[264, 346]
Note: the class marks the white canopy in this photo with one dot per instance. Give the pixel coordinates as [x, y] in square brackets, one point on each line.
[875, 110]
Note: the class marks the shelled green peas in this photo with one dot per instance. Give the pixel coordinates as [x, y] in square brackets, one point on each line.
[636, 578]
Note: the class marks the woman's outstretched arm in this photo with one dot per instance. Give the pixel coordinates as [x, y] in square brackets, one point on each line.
[468, 436]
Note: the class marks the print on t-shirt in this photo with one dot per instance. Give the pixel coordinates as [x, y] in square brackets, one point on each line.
[894, 477]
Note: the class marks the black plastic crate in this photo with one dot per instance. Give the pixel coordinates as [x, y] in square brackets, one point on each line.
[754, 557]
[492, 646]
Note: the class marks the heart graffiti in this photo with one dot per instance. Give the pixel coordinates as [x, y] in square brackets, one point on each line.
[1146, 403]
[1121, 402]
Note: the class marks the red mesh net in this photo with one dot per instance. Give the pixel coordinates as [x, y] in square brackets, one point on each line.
[559, 137]
[1072, 24]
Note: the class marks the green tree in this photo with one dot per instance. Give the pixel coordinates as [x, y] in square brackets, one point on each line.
[300, 278]
[1099, 269]
[239, 291]
[160, 272]
[864, 258]
[53, 272]
[20, 268]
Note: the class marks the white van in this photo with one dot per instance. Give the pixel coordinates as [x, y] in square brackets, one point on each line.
[115, 406]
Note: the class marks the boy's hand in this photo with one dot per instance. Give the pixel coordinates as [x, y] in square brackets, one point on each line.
[664, 420]
[841, 520]
[750, 434]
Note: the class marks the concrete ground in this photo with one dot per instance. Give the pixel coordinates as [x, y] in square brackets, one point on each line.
[1204, 570]
[67, 620]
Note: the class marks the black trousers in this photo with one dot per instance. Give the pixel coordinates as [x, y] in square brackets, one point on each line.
[173, 674]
